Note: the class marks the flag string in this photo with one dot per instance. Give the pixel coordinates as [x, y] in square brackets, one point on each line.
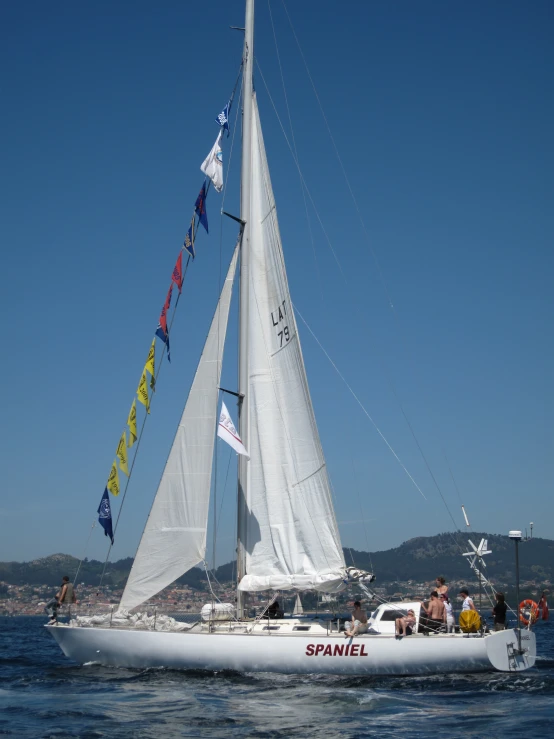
[139, 439]
[199, 216]
[147, 406]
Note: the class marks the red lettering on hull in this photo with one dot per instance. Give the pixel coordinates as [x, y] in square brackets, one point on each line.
[337, 650]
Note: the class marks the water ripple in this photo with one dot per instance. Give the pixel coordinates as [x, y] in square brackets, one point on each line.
[44, 696]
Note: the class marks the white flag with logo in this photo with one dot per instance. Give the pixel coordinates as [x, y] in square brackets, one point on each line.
[212, 166]
[227, 431]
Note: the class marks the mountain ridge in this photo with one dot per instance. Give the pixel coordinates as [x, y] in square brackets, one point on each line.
[421, 558]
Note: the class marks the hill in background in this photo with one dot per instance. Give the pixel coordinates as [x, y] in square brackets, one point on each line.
[420, 559]
[426, 557]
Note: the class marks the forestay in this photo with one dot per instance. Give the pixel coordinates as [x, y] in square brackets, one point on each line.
[291, 537]
[174, 539]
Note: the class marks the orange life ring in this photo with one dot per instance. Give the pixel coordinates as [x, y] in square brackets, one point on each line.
[528, 611]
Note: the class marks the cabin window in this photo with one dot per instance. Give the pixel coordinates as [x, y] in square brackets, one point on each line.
[392, 615]
[271, 628]
[301, 628]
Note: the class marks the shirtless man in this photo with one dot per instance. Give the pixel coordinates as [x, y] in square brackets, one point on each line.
[359, 621]
[442, 587]
[434, 612]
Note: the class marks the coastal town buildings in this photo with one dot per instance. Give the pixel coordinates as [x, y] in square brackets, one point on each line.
[30, 600]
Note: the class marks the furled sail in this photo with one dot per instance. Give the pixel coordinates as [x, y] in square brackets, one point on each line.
[174, 539]
[290, 534]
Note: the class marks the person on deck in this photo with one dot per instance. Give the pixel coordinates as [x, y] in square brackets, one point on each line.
[448, 617]
[65, 595]
[499, 612]
[467, 604]
[434, 614]
[405, 624]
[442, 587]
[273, 611]
[359, 621]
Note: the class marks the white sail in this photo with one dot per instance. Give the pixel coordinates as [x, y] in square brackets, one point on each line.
[291, 538]
[298, 610]
[174, 539]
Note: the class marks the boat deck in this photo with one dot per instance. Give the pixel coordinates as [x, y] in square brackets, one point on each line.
[295, 627]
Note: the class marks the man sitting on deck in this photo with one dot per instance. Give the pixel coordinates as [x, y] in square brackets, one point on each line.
[359, 621]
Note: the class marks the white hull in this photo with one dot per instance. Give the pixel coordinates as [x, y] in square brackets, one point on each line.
[297, 654]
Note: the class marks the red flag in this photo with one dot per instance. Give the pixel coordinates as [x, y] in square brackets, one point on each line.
[177, 276]
[165, 309]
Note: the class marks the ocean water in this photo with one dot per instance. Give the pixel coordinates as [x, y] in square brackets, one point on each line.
[44, 695]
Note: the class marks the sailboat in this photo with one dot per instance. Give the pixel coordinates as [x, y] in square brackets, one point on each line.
[287, 538]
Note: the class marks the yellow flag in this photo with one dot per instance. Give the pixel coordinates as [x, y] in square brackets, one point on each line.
[113, 480]
[142, 392]
[132, 424]
[150, 365]
[122, 454]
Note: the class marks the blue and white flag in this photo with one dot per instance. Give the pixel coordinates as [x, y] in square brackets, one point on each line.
[105, 515]
[223, 117]
[212, 166]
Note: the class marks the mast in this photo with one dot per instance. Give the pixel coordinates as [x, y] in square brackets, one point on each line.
[245, 180]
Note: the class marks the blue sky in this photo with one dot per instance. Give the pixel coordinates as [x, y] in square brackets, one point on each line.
[442, 114]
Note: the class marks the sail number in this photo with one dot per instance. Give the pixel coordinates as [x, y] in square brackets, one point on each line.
[278, 319]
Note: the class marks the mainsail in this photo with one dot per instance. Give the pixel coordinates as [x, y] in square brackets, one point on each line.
[291, 537]
[174, 539]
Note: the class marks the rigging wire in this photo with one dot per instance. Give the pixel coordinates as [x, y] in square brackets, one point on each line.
[214, 532]
[374, 255]
[224, 487]
[214, 596]
[237, 108]
[331, 247]
[362, 518]
[453, 480]
[85, 550]
[295, 158]
[302, 188]
[360, 403]
[329, 243]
